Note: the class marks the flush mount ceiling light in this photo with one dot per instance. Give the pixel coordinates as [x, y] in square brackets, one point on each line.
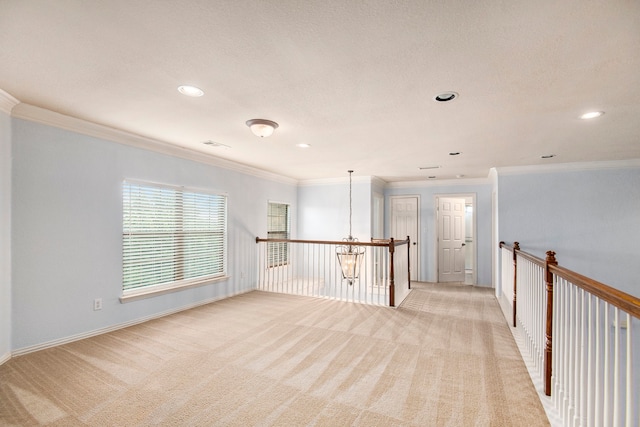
[303, 145]
[190, 91]
[262, 127]
[445, 96]
[591, 115]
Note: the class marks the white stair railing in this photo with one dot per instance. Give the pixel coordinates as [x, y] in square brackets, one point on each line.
[582, 338]
[595, 370]
[311, 268]
[507, 280]
[532, 307]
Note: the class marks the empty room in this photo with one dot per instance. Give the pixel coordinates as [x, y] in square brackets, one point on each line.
[363, 213]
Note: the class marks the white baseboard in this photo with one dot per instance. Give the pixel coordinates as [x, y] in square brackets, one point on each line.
[95, 332]
[4, 358]
[552, 414]
[506, 307]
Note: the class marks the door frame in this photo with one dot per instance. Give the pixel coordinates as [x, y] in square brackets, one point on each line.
[418, 267]
[474, 225]
[377, 215]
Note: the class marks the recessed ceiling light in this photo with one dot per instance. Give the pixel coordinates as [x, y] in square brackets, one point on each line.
[547, 156]
[428, 167]
[591, 115]
[190, 91]
[432, 177]
[460, 176]
[303, 145]
[445, 96]
[454, 153]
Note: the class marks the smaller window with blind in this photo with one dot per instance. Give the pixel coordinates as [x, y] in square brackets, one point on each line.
[278, 228]
[171, 237]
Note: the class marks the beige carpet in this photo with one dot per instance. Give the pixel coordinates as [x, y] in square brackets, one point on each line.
[446, 357]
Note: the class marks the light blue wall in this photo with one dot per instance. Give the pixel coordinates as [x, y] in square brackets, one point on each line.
[323, 212]
[67, 225]
[428, 232]
[591, 219]
[5, 236]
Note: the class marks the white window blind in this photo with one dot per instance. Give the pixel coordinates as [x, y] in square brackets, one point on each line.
[171, 236]
[278, 228]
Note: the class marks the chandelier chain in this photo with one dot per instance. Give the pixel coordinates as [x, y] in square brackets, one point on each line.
[350, 208]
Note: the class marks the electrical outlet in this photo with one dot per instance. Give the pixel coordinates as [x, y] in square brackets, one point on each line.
[97, 304]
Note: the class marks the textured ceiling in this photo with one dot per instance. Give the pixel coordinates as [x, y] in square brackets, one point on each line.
[355, 79]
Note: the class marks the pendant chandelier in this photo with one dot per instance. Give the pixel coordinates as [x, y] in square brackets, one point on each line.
[350, 254]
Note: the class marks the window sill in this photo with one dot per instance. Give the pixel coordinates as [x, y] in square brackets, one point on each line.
[156, 291]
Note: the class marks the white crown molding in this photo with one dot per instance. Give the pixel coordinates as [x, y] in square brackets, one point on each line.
[73, 124]
[569, 167]
[7, 102]
[378, 182]
[439, 183]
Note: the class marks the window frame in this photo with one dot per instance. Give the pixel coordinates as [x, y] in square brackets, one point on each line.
[179, 234]
[283, 255]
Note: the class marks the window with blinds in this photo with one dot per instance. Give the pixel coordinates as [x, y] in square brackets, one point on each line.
[171, 236]
[278, 228]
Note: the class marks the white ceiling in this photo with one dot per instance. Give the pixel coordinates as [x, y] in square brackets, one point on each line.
[355, 79]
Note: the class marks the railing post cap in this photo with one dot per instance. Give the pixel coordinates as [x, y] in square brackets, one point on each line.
[516, 245]
[551, 257]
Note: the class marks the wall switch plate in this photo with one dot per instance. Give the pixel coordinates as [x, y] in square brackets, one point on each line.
[97, 304]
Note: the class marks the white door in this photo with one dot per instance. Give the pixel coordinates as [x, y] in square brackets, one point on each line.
[451, 239]
[404, 222]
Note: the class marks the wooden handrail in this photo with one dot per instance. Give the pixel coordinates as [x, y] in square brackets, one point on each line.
[377, 242]
[534, 259]
[613, 296]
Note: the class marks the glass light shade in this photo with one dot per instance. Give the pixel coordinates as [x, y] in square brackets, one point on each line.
[350, 259]
[262, 130]
[262, 127]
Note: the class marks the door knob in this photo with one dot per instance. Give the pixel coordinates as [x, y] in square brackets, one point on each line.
[415, 243]
[464, 244]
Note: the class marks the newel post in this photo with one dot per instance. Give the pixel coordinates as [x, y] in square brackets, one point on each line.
[392, 285]
[516, 247]
[548, 345]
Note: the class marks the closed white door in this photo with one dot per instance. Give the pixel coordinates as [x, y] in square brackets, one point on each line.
[451, 239]
[404, 222]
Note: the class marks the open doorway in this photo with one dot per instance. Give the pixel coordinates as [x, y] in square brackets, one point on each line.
[456, 238]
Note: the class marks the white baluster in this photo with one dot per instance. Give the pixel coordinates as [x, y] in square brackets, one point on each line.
[629, 380]
[616, 367]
